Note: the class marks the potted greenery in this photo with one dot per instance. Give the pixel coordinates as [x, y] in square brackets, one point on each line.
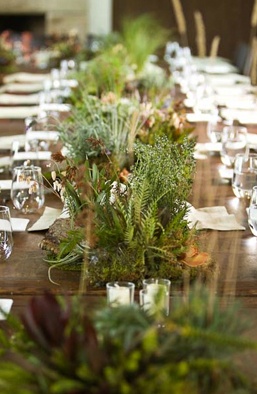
[60, 346]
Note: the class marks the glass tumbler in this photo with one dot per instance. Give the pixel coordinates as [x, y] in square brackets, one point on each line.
[27, 190]
[252, 212]
[233, 141]
[6, 239]
[244, 175]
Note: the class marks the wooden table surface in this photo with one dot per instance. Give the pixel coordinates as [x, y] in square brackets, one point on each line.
[25, 273]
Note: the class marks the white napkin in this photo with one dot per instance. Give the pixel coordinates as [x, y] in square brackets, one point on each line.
[19, 224]
[5, 307]
[55, 107]
[42, 135]
[25, 77]
[19, 112]
[19, 99]
[5, 184]
[40, 155]
[213, 218]
[195, 117]
[22, 87]
[243, 116]
[7, 141]
[46, 220]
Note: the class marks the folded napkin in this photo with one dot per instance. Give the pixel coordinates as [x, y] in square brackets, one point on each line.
[40, 155]
[18, 112]
[198, 117]
[55, 107]
[19, 224]
[243, 116]
[213, 218]
[22, 87]
[46, 220]
[5, 184]
[42, 135]
[25, 77]
[7, 141]
[5, 307]
[19, 99]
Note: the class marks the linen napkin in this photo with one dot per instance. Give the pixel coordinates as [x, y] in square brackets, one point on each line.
[25, 77]
[213, 218]
[198, 117]
[7, 141]
[19, 224]
[46, 220]
[5, 307]
[19, 112]
[17, 87]
[19, 99]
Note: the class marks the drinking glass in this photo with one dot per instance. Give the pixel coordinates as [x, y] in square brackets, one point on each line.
[244, 175]
[6, 239]
[27, 190]
[252, 212]
[155, 295]
[120, 293]
[214, 130]
[233, 141]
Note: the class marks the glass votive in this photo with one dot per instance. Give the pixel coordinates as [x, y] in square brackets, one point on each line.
[6, 239]
[120, 293]
[252, 212]
[155, 295]
[244, 175]
[27, 189]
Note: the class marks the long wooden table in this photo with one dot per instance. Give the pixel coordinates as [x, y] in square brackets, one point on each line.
[25, 273]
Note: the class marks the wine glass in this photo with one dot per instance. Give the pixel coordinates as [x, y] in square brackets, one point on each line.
[27, 190]
[252, 212]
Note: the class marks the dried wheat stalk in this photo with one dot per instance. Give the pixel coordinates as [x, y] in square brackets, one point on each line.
[200, 34]
[180, 18]
[215, 46]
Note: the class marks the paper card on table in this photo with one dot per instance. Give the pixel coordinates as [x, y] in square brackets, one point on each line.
[46, 220]
[213, 218]
[208, 147]
[5, 307]
[19, 224]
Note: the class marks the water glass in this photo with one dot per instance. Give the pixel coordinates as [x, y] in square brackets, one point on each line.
[120, 293]
[252, 212]
[233, 141]
[214, 130]
[6, 239]
[27, 190]
[155, 295]
[244, 175]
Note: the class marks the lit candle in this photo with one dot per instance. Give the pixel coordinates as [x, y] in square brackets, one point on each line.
[118, 295]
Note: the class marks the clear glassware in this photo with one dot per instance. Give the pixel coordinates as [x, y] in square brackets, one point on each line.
[155, 295]
[244, 175]
[233, 141]
[120, 293]
[27, 190]
[252, 212]
[6, 239]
